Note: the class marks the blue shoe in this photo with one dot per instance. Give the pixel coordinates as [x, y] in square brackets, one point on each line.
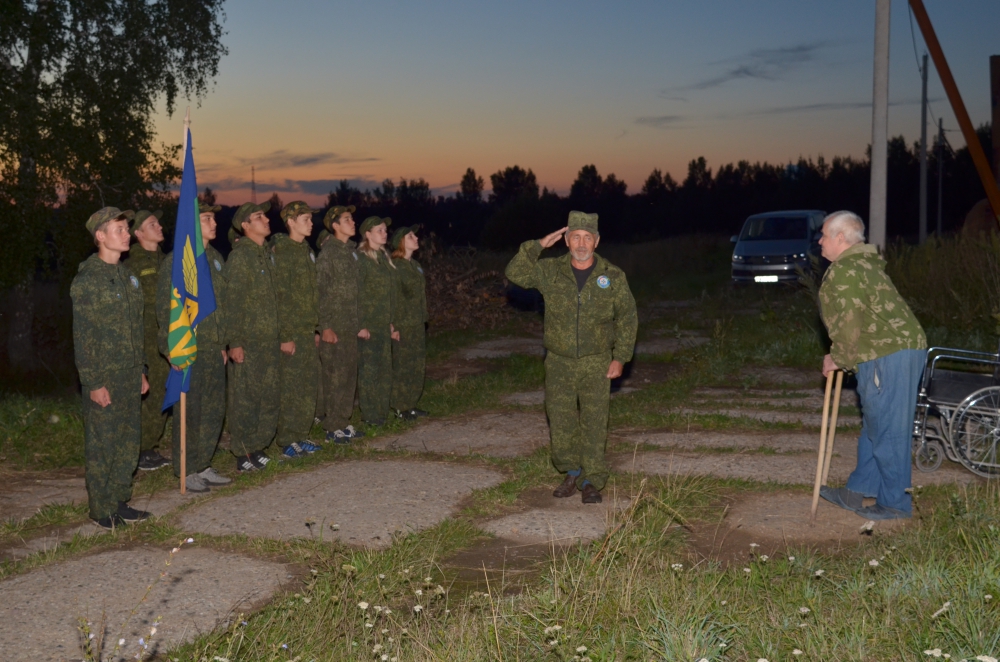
[352, 433]
[338, 437]
[291, 451]
[307, 446]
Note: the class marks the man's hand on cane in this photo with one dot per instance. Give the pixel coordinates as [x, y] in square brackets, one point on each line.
[828, 365]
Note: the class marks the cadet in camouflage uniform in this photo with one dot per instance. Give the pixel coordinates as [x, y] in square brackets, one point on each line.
[375, 312]
[875, 335]
[337, 270]
[144, 260]
[298, 324]
[108, 342]
[206, 399]
[410, 318]
[251, 316]
[590, 327]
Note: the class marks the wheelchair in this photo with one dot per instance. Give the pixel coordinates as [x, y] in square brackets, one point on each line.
[958, 411]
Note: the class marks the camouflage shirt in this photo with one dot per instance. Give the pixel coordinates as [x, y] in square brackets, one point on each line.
[599, 318]
[107, 321]
[212, 329]
[337, 286]
[295, 287]
[146, 265]
[249, 298]
[863, 313]
[376, 293]
[411, 295]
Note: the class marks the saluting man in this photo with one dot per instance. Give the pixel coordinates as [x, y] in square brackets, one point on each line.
[590, 327]
[108, 343]
[252, 331]
[206, 400]
[337, 270]
[298, 326]
[144, 259]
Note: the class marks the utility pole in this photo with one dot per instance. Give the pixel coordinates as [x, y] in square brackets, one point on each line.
[880, 127]
[995, 99]
[940, 160]
[253, 185]
[923, 153]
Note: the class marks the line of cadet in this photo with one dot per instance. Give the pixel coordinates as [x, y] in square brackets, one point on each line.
[293, 338]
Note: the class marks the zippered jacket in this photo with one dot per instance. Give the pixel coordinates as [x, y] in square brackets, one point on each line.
[249, 301]
[864, 314]
[411, 294]
[337, 270]
[376, 293]
[295, 287]
[599, 318]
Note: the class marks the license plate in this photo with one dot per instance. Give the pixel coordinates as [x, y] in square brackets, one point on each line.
[765, 279]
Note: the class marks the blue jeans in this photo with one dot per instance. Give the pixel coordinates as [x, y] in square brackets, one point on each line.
[888, 389]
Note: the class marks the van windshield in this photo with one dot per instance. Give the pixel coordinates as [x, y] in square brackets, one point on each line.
[770, 228]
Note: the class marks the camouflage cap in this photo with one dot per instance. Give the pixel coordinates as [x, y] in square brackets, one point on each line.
[373, 221]
[208, 209]
[102, 216]
[141, 216]
[579, 220]
[333, 213]
[244, 212]
[397, 236]
[294, 209]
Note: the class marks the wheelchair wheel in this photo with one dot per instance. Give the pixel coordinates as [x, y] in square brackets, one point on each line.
[928, 456]
[975, 432]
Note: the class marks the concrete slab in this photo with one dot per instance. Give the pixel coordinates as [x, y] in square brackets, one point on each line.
[502, 348]
[536, 398]
[500, 434]
[845, 419]
[559, 521]
[668, 345]
[23, 495]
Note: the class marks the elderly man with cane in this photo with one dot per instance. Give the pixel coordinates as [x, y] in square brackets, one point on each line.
[874, 334]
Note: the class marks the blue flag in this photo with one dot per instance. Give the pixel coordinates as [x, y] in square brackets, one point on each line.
[192, 298]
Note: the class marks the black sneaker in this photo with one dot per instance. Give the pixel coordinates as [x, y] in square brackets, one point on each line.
[259, 459]
[130, 514]
[151, 461]
[111, 522]
[245, 464]
[419, 413]
[406, 415]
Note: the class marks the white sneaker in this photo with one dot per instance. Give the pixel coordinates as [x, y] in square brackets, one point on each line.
[212, 477]
[194, 483]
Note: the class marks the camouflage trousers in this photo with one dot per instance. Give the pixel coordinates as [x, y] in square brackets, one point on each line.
[577, 393]
[111, 441]
[339, 381]
[206, 410]
[408, 368]
[375, 376]
[253, 398]
[154, 419]
[299, 380]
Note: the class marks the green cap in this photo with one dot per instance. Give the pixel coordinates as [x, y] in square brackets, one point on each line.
[208, 209]
[397, 236]
[234, 236]
[294, 209]
[244, 212]
[371, 222]
[333, 213]
[579, 220]
[141, 216]
[102, 216]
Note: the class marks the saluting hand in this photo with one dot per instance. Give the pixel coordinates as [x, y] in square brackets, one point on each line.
[550, 239]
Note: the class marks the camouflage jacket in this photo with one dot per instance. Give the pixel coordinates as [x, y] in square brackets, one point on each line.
[337, 270]
[295, 287]
[863, 313]
[249, 297]
[145, 265]
[107, 321]
[600, 318]
[376, 293]
[212, 329]
[410, 294]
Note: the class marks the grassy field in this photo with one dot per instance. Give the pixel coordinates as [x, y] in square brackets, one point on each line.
[640, 593]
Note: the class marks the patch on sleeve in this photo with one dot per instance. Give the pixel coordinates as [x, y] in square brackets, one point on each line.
[420, 270]
[312, 256]
[218, 265]
[355, 256]
[134, 281]
[603, 282]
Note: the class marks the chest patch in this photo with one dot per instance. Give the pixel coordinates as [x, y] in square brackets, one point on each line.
[603, 282]
[134, 281]
[218, 265]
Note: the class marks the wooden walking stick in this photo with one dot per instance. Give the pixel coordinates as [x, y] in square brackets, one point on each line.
[821, 459]
[832, 432]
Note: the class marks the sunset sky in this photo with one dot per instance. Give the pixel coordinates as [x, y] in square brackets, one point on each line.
[315, 92]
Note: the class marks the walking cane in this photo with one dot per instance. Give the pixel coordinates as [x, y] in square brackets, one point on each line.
[827, 432]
